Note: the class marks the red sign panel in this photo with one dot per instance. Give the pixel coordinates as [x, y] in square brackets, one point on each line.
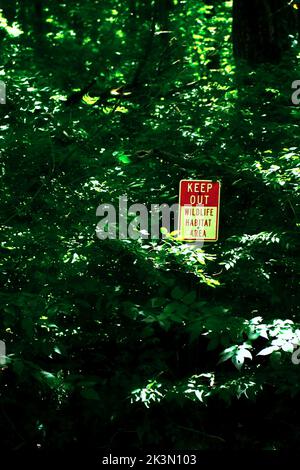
[199, 202]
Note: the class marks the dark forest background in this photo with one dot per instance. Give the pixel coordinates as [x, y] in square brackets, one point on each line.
[149, 343]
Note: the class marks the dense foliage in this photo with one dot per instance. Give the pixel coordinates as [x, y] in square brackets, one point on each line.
[145, 343]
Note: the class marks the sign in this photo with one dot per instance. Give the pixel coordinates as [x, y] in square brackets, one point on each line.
[199, 202]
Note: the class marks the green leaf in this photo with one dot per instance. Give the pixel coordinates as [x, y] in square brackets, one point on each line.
[199, 394]
[89, 100]
[246, 353]
[177, 293]
[189, 298]
[288, 347]
[124, 159]
[267, 351]
[238, 360]
[227, 354]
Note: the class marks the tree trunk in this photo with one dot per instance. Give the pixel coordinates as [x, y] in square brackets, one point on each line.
[261, 30]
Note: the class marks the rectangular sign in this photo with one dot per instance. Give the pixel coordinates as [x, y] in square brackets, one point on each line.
[199, 202]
